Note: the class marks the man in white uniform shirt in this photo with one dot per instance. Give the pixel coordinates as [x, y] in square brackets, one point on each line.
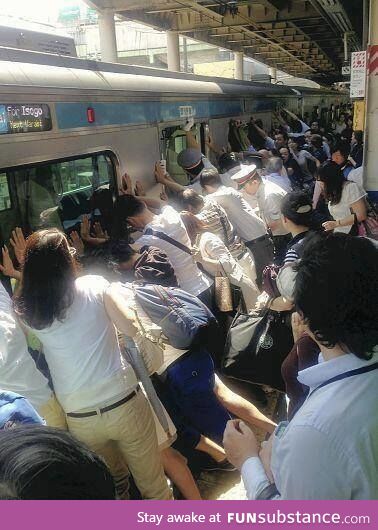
[248, 226]
[269, 198]
[167, 232]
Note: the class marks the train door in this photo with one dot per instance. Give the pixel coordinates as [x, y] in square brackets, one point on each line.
[173, 141]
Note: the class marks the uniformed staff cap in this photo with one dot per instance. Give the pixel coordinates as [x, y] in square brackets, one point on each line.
[189, 158]
[244, 174]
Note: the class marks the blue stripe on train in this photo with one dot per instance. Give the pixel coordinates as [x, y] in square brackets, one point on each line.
[74, 115]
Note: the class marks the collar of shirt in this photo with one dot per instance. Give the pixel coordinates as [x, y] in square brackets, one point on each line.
[325, 370]
[297, 238]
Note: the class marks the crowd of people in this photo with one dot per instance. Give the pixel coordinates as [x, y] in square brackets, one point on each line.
[119, 375]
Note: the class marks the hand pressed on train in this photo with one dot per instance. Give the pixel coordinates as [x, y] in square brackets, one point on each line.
[126, 187]
[77, 243]
[99, 232]
[85, 228]
[139, 189]
[239, 443]
[160, 174]
[7, 268]
[18, 243]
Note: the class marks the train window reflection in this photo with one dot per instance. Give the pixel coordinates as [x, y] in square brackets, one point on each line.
[59, 193]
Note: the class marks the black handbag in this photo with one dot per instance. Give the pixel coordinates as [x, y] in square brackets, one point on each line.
[257, 344]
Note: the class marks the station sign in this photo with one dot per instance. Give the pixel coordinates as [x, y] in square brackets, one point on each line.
[24, 118]
[358, 75]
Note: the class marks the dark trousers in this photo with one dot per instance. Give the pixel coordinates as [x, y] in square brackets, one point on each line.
[207, 297]
[263, 255]
[190, 399]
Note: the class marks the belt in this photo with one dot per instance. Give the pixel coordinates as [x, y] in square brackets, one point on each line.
[261, 238]
[105, 409]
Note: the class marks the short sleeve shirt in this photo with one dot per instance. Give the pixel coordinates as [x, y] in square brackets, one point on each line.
[83, 353]
[351, 193]
[269, 197]
[246, 223]
[190, 278]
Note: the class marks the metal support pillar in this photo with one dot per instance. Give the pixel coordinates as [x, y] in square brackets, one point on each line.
[108, 40]
[173, 51]
[273, 74]
[239, 65]
[185, 54]
[371, 131]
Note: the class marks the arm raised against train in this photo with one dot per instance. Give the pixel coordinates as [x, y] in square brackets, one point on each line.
[166, 180]
[119, 312]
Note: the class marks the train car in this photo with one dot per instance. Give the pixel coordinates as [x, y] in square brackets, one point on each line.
[69, 126]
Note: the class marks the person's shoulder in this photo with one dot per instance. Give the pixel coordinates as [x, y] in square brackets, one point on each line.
[91, 285]
[353, 190]
[207, 164]
[274, 188]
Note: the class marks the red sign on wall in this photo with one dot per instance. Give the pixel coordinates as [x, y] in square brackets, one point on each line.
[373, 60]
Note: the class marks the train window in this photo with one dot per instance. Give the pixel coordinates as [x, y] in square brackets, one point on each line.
[5, 200]
[59, 193]
[174, 139]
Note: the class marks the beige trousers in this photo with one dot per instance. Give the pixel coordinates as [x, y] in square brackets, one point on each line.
[131, 428]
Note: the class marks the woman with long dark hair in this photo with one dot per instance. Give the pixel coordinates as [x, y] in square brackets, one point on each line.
[97, 389]
[346, 200]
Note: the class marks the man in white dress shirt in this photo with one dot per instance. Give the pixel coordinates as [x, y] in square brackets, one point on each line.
[329, 450]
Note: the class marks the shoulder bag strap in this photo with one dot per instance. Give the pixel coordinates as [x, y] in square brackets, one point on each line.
[224, 227]
[346, 375]
[168, 239]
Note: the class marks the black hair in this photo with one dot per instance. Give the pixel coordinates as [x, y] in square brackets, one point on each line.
[343, 147]
[120, 251]
[42, 463]
[330, 173]
[125, 206]
[49, 272]
[192, 198]
[129, 206]
[210, 177]
[297, 207]
[227, 161]
[285, 135]
[316, 140]
[336, 291]
[359, 136]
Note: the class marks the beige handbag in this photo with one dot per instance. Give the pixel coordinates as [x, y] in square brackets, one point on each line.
[223, 293]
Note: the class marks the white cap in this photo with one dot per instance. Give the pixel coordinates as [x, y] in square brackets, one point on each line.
[244, 174]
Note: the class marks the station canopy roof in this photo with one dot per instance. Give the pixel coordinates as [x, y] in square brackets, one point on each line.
[304, 38]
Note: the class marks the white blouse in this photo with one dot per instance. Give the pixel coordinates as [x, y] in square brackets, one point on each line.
[351, 193]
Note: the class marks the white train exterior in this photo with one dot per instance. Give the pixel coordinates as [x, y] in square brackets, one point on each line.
[68, 125]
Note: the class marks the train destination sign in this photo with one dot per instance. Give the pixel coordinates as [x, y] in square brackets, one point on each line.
[24, 118]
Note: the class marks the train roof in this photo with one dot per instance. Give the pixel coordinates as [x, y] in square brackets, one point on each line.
[22, 67]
